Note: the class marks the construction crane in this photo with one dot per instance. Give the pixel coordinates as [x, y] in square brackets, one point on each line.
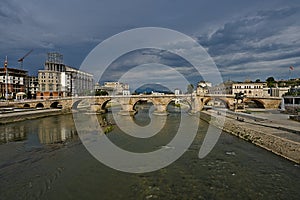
[22, 59]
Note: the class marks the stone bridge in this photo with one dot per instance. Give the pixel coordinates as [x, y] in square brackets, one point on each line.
[128, 102]
[228, 100]
[98, 103]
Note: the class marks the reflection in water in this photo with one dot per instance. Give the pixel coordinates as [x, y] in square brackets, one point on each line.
[54, 130]
[10, 133]
[60, 129]
[50, 130]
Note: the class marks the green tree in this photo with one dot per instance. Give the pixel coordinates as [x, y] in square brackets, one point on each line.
[257, 81]
[101, 93]
[270, 81]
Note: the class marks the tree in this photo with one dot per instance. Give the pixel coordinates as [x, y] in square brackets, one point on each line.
[101, 93]
[190, 88]
[257, 81]
[270, 81]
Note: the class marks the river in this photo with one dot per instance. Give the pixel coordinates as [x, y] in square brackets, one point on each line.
[45, 159]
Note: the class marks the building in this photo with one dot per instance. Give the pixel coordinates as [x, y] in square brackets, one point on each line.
[260, 89]
[250, 89]
[32, 83]
[204, 84]
[177, 91]
[59, 80]
[295, 90]
[203, 87]
[50, 84]
[222, 89]
[113, 88]
[14, 81]
[76, 82]
[277, 91]
[291, 104]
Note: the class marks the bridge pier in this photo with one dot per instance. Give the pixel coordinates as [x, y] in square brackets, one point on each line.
[196, 105]
[161, 110]
[98, 108]
[127, 110]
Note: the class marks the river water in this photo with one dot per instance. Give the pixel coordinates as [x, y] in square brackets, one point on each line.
[45, 159]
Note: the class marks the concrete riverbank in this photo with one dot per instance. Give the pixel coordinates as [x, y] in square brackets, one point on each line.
[30, 114]
[282, 139]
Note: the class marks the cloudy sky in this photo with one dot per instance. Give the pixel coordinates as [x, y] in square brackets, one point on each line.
[246, 39]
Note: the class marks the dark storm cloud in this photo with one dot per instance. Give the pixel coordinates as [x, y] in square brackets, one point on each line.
[144, 56]
[244, 33]
[9, 13]
[241, 36]
[253, 42]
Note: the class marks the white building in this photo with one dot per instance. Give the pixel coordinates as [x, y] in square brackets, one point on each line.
[203, 87]
[78, 82]
[177, 91]
[276, 92]
[250, 89]
[59, 80]
[114, 88]
[222, 88]
[204, 84]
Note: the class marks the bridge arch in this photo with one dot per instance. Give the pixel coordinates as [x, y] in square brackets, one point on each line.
[258, 103]
[180, 106]
[39, 105]
[75, 104]
[224, 101]
[135, 103]
[55, 105]
[26, 105]
[104, 104]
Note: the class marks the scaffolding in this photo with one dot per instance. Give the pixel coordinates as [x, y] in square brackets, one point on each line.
[54, 57]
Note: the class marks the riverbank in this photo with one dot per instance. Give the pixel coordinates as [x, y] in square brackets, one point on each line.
[281, 139]
[30, 114]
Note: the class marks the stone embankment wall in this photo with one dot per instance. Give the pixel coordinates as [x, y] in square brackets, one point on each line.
[21, 116]
[262, 137]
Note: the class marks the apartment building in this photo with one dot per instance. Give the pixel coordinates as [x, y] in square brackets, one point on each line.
[12, 83]
[59, 80]
[250, 89]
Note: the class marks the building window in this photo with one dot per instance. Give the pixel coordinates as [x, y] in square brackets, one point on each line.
[50, 87]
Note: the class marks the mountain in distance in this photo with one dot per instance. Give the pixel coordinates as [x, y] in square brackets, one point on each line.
[148, 88]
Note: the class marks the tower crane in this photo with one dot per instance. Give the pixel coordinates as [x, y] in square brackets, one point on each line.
[22, 59]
